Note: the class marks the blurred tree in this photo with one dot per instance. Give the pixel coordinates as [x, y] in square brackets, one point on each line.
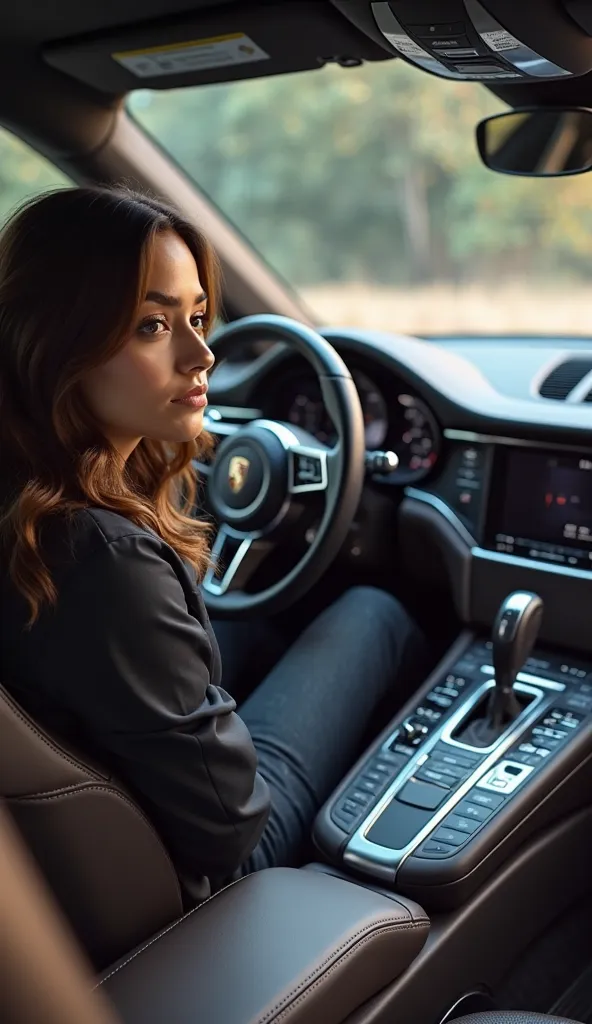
[369, 174]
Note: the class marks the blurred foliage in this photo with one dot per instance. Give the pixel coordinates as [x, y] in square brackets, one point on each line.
[370, 174]
[23, 173]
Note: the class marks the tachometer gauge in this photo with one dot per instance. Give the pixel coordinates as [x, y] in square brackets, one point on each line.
[415, 438]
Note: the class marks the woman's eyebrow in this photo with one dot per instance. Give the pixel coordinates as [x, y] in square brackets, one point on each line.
[171, 300]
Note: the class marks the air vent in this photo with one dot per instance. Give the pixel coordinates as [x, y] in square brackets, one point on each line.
[564, 378]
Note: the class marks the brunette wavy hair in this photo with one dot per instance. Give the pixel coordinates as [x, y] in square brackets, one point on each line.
[73, 269]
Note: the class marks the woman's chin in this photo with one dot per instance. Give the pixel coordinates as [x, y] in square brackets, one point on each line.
[189, 427]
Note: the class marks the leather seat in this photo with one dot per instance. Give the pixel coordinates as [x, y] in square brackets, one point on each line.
[101, 856]
[512, 1017]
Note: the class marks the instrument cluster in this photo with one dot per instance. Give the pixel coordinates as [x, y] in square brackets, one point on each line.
[395, 418]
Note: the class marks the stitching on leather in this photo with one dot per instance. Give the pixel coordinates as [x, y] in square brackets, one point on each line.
[45, 739]
[357, 940]
[161, 935]
[49, 794]
[62, 794]
[387, 929]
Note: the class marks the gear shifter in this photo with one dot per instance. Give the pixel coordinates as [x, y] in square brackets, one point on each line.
[514, 633]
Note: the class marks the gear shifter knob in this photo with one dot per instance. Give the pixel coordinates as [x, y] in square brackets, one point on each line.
[514, 633]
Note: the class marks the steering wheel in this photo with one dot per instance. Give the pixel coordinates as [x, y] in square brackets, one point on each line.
[264, 474]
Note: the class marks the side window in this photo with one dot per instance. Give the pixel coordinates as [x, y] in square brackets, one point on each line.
[23, 173]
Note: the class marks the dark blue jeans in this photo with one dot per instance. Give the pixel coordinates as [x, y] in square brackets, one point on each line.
[311, 715]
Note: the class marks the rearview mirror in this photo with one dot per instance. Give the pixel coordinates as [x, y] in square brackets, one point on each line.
[536, 142]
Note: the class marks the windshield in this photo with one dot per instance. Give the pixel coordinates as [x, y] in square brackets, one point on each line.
[363, 188]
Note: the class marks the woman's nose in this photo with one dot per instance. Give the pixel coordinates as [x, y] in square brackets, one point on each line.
[197, 354]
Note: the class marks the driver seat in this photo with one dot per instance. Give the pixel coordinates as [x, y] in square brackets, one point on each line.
[107, 866]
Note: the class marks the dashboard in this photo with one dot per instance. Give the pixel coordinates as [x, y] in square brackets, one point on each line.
[494, 483]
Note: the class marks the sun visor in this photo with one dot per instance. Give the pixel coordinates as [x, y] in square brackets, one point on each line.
[219, 45]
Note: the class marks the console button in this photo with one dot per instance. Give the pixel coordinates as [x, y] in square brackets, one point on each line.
[344, 820]
[443, 752]
[351, 806]
[469, 810]
[452, 771]
[389, 768]
[440, 699]
[579, 702]
[548, 734]
[450, 836]
[368, 786]
[359, 796]
[484, 799]
[454, 761]
[432, 850]
[428, 715]
[422, 794]
[461, 823]
[429, 774]
[430, 30]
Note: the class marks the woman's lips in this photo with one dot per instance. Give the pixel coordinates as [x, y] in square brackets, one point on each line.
[195, 401]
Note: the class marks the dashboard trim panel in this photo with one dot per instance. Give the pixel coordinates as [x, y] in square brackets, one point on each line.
[439, 505]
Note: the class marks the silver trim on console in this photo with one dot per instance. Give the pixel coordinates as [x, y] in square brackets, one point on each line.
[516, 442]
[383, 862]
[527, 677]
[440, 506]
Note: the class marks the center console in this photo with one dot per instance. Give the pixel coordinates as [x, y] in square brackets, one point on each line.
[454, 785]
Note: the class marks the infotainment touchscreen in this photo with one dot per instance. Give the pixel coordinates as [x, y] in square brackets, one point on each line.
[541, 507]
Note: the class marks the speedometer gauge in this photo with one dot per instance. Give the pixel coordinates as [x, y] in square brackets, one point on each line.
[416, 438]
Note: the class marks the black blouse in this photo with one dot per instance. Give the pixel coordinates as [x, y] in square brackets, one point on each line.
[126, 665]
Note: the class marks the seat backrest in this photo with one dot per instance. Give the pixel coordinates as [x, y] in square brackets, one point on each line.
[99, 853]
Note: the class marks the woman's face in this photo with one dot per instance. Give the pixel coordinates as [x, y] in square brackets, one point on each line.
[141, 391]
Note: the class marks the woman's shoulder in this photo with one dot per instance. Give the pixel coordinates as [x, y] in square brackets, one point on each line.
[102, 526]
[71, 541]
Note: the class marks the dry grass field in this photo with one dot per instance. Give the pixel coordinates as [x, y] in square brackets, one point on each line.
[444, 310]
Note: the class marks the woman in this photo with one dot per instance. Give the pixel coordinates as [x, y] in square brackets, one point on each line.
[106, 299]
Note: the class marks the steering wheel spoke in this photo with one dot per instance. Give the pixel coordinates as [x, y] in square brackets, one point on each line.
[235, 558]
[309, 469]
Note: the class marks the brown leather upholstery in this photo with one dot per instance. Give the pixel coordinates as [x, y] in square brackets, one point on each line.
[296, 947]
[43, 976]
[101, 856]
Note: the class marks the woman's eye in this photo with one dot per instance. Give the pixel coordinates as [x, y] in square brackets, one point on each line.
[198, 321]
[152, 327]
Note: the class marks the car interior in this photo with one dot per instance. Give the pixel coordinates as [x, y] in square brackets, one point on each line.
[449, 874]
